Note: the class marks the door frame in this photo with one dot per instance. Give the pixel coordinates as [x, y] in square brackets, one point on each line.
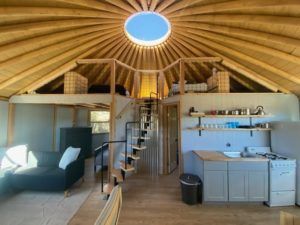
[165, 134]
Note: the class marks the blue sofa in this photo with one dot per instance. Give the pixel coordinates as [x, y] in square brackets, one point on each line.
[42, 173]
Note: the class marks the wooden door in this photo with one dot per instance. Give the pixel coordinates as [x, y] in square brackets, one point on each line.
[172, 137]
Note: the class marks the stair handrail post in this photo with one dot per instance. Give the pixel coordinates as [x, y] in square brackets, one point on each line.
[102, 158]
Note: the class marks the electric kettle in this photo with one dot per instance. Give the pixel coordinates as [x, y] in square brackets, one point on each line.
[260, 110]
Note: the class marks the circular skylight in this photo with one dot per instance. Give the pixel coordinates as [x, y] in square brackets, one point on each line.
[147, 28]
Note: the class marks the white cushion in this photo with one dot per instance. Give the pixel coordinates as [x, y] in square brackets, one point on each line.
[70, 155]
[14, 157]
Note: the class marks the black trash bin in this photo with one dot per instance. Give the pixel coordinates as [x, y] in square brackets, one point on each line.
[191, 189]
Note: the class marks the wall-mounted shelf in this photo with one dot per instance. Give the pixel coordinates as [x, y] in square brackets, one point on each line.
[201, 116]
[229, 129]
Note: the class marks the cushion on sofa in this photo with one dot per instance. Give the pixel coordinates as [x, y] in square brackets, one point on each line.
[44, 159]
[39, 178]
[70, 155]
[14, 156]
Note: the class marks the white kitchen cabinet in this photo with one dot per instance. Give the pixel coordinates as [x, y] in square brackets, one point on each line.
[258, 186]
[215, 181]
[248, 181]
[238, 186]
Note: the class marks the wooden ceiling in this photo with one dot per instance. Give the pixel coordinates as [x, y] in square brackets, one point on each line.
[259, 41]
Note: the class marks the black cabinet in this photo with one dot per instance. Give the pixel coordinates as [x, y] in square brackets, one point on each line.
[77, 137]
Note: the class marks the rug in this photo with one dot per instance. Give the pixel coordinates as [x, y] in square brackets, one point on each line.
[42, 208]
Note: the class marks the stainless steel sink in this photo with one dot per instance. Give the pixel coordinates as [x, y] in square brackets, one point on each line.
[232, 154]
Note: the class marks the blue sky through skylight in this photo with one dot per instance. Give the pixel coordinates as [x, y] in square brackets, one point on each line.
[148, 27]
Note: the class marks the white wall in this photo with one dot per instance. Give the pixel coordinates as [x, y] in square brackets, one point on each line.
[126, 116]
[3, 122]
[82, 117]
[33, 126]
[64, 118]
[283, 107]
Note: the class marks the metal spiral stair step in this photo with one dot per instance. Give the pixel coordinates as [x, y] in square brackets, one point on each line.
[117, 174]
[131, 155]
[143, 138]
[140, 148]
[128, 168]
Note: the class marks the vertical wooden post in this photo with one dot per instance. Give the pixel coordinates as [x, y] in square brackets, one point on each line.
[181, 76]
[161, 83]
[112, 128]
[136, 84]
[113, 77]
[11, 124]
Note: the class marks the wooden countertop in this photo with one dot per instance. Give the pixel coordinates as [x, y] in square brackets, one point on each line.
[218, 156]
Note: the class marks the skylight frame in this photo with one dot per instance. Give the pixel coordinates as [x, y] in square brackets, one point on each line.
[151, 43]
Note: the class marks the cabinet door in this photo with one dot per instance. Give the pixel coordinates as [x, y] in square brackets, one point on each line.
[215, 186]
[258, 186]
[238, 186]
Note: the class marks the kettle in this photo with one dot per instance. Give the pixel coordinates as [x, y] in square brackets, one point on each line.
[260, 110]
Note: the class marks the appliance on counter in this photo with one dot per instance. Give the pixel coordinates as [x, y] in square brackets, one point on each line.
[282, 177]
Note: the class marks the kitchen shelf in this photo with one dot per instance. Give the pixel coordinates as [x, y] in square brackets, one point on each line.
[229, 129]
[201, 116]
[197, 115]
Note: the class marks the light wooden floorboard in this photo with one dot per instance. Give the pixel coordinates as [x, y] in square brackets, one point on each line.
[91, 208]
[158, 202]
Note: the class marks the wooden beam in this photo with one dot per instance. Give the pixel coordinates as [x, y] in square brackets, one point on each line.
[144, 5]
[61, 99]
[182, 77]
[94, 61]
[62, 69]
[135, 5]
[233, 5]
[121, 4]
[202, 59]
[245, 71]
[136, 83]
[246, 44]
[10, 124]
[52, 11]
[165, 4]
[153, 5]
[89, 41]
[97, 5]
[113, 77]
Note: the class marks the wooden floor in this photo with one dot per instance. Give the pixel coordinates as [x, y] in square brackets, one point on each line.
[91, 208]
[158, 202]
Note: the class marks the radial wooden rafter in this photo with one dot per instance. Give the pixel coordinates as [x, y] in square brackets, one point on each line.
[41, 40]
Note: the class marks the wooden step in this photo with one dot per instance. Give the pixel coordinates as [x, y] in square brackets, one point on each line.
[136, 147]
[129, 168]
[117, 174]
[131, 155]
[143, 138]
[107, 188]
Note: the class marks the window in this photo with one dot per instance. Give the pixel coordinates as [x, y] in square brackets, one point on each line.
[147, 28]
[100, 122]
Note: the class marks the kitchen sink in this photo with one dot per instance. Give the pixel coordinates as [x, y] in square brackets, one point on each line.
[232, 154]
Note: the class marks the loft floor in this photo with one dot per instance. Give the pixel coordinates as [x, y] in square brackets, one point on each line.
[158, 202]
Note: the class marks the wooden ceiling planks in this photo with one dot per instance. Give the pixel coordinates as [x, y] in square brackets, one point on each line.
[41, 40]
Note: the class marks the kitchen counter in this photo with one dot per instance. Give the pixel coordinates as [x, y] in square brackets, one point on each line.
[228, 179]
[218, 156]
